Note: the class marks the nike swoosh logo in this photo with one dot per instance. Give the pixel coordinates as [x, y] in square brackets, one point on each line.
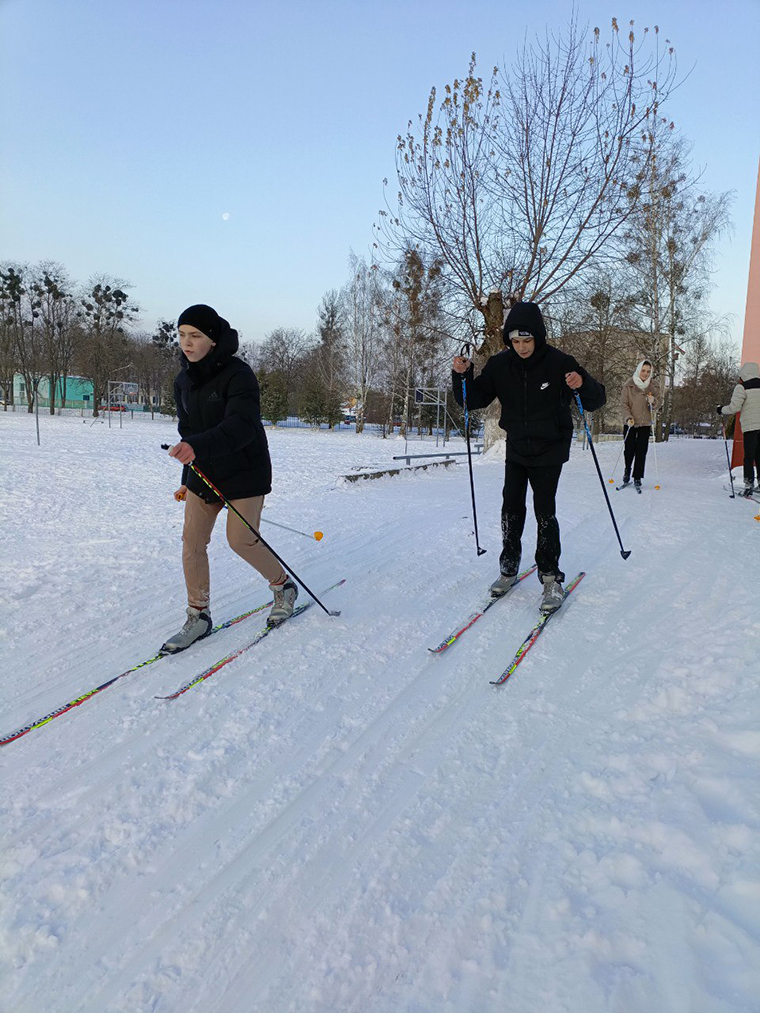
[543, 386]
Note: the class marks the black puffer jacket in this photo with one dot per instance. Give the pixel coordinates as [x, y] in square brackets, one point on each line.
[219, 416]
[535, 400]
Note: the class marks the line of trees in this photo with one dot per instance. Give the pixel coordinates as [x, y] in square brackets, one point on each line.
[52, 329]
[376, 338]
[559, 179]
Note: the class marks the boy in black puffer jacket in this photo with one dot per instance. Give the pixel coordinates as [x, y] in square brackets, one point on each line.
[534, 383]
[217, 397]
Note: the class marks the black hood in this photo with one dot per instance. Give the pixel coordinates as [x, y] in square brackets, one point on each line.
[211, 364]
[526, 316]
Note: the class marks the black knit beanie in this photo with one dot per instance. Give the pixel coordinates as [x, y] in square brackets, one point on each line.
[524, 316]
[205, 319]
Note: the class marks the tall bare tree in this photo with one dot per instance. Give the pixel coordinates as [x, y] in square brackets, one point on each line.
[519, 184]
[362, 316]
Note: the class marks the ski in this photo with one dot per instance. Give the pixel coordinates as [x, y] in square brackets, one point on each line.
[241, 650]
[39, 722]
[626, 485]
[534, 634]
[471, 620]
[741, 494]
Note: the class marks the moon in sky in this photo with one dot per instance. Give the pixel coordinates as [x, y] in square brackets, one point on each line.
[226, 216]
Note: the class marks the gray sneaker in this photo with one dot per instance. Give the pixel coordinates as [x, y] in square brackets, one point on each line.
[197, 627]
[553, 594]
[284, 600]
[502, 585]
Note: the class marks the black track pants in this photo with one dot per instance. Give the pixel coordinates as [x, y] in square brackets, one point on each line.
[751, 454]
[636, 446]
[543, 481]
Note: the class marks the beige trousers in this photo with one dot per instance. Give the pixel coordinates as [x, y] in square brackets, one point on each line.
[200, 518]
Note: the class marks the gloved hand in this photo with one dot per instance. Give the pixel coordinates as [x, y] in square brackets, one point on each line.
[719, 409]
[629, 422]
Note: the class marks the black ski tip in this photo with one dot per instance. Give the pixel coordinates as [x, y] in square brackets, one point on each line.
[626, 553]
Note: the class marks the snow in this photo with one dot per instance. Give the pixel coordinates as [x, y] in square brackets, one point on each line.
[339, 821]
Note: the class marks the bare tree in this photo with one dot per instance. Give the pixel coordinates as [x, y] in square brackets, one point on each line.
[518, 185]
[106, 312]
[710, 369]
[282, 352]
[669, 242]
[12, 292]
[596, 322]
[412, 315]
[329, 375]
[360, 299]
[20, 318]
[55, 317]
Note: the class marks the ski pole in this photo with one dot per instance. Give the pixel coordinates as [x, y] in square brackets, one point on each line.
[625, 553]
[654, 444]
[280, 560]
[728, 459]
[625, 440]
[466, 351]
[317, 536]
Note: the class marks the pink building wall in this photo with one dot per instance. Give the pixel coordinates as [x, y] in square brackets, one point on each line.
[751, 340]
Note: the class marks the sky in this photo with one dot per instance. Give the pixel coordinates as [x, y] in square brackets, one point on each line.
[233, 152]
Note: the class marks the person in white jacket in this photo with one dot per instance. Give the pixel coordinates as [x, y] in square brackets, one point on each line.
[746, 400]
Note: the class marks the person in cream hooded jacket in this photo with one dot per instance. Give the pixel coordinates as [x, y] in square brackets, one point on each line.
[639, 403]
[746, 400]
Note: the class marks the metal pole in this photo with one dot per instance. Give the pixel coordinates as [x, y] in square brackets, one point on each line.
[466, 352]
[728, 459]
[625, 553]
[37, 412]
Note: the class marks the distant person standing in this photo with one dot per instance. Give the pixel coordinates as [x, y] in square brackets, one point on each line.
[219, 421]
[639, 404]
[746, 401]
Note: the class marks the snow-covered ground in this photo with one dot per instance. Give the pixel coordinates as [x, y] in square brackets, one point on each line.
[339, 821]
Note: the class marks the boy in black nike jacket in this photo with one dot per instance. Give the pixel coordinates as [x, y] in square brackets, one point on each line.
[534, 383]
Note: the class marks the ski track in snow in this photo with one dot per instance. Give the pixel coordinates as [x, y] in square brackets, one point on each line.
[338, 821]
